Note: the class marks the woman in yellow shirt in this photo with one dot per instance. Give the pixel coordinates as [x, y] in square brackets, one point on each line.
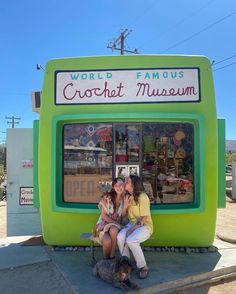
[140, 226]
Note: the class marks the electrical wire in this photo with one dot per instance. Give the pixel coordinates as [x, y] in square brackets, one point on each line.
[201, 31]
[135, 21]
[183, 20]
[225, 66]
[215, 63]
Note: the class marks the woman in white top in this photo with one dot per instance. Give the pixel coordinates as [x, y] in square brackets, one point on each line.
[109, 223]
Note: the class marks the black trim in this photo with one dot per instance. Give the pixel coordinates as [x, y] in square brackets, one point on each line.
[20, 194]
[154, 206]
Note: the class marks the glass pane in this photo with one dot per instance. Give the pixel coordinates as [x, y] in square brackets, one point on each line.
[127, 148]
[87, 161]
[168, 150]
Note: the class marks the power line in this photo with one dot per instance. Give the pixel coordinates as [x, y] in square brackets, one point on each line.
[190, 16]
[225, 66]
[143, 13]
[39, 66]
[215, 63]
[201, 31]
[181, 21]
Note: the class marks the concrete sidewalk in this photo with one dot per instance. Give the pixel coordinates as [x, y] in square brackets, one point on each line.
[41, 270]
[71, 271]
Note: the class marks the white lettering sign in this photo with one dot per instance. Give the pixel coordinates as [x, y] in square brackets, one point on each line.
[26, 195]
[127, 86]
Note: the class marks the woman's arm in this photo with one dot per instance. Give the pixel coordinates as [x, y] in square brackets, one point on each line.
[142, 221]
[125, 205]
[106, 217]
[138, 224]
[144, 212]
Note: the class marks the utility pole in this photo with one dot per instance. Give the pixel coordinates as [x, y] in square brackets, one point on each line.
[13, 120]
[119, 43]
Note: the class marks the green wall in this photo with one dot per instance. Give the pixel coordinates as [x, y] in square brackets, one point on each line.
[184, 225]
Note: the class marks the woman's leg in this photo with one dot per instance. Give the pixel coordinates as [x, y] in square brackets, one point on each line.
[133, 241]
[113, 232]
[106, 245]
[121, 241]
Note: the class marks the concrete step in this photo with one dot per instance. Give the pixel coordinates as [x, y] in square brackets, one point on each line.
[192, 281]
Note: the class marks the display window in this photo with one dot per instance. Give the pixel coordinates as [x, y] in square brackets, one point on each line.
[162, 154]
[127, 149]
[168, 162]
[87, 161]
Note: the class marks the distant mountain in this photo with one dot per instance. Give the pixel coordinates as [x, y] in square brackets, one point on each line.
[231, 145]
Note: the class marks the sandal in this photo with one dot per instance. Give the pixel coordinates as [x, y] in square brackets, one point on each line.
[143, 273]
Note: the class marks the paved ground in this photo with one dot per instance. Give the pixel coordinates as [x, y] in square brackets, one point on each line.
[225, 230]
[223, 287]
[41, 277]
[38, 278]
[226, 222]
[70, 272]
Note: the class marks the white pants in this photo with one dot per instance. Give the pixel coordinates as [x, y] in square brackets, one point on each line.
[133, 241]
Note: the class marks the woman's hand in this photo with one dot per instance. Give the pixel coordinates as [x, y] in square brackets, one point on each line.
[107, 218]
[129, 232]
[126, 204]
[126, 201]
[137, 225]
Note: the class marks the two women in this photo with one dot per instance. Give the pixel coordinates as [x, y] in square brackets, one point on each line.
[140, 227]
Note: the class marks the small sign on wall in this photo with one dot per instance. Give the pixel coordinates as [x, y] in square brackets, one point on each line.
[26, 195]
[27, 163]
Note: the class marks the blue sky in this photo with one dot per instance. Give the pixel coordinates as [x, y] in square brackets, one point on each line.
[36, 31]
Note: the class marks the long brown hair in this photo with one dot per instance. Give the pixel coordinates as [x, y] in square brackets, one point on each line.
[112, 193]
[138, 187]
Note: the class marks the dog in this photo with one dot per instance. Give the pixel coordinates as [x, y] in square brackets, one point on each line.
[116, 272]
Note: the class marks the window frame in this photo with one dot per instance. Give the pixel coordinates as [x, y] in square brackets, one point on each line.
[199, 158]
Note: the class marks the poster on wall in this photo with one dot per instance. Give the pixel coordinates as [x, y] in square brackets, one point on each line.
[26, 195]
[133, 170]
[123, 171]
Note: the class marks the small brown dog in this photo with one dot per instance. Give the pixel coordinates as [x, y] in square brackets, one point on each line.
[116, 272]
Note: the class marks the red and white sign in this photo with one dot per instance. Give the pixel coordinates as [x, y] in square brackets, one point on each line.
[127, 86]
[27, 163]
[26, 195]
